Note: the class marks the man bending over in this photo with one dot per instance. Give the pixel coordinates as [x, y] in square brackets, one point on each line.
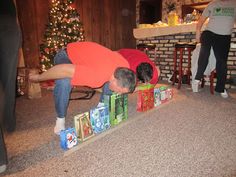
[85, 64]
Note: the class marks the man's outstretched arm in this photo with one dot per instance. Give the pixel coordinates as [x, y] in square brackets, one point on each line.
[56, 72]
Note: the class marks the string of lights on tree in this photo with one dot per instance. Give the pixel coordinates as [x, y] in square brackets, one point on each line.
[64, 27]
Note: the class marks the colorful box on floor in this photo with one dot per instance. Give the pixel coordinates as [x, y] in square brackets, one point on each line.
[118, 107]
[169, 93]
[99, 118]
[162, 95]
[68, 138]
[157, 97]
[83, 126]
[145, 97]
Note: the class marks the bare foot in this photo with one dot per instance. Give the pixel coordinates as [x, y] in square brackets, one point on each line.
[34, 77]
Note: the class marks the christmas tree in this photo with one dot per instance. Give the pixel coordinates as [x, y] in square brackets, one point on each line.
[64, 27]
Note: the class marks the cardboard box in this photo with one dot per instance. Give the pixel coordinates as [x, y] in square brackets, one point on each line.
[145, 99]
[118, 107]
[157, 97]
[83, 126]
[68, 138]
[169, 93]
[99, 118]
[162, 94]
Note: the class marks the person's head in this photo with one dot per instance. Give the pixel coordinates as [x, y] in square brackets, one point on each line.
[123, 81]
[144, 72]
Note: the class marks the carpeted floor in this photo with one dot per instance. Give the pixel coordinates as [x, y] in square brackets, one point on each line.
[193, 135]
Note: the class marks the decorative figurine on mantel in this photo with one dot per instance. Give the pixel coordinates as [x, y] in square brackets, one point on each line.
[170, 8]
[172, 18]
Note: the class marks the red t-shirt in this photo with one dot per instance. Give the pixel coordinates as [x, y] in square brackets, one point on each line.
[135, 57]
[95, 64]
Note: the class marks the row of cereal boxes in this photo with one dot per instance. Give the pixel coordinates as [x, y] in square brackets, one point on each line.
[111, 113]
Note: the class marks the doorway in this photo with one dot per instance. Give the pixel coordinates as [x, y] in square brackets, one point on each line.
[150, 11]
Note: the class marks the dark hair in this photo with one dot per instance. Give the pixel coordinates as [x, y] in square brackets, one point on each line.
[126, 78]
[144, 72]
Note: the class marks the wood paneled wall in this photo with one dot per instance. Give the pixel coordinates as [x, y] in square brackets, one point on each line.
[107, 22]
[32, 15]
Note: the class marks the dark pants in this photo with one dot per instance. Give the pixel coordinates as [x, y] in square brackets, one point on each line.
[221, 46]
[3, 152]
[10, 40]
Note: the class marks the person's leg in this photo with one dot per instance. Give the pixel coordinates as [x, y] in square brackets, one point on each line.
[221, 49]
[61, 98]
[10, 40]
[206, 43]
[105, 91]
[3, 151]
[61, 57]
[9, 46]
[61, 92]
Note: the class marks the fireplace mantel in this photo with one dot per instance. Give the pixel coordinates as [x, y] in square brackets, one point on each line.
[140, 33]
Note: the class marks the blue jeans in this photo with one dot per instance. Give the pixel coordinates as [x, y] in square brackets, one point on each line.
[105, 91]
[63, 87]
